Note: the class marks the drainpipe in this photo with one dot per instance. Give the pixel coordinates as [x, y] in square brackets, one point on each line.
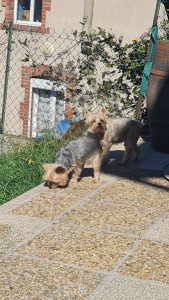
[88, 15]
[85, 16]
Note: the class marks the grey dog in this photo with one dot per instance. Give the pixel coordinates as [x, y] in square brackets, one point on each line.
[73, 157]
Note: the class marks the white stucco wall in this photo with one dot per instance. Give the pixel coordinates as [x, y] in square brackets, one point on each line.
[65, 14]
[129, 18]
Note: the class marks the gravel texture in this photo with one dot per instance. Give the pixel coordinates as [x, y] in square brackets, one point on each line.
[66, 243]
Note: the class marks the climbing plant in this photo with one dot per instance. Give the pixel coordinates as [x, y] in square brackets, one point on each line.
[108, 72]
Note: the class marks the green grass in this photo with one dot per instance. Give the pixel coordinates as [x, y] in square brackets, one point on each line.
[20, 170]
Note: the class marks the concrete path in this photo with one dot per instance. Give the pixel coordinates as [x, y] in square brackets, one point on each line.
[108, 241]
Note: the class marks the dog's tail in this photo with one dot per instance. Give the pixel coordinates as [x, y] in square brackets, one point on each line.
[74, 129]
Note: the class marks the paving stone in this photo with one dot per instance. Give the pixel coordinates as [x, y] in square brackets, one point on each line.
[78, 246]
[29, 279]
[149, 261]
[128, 288]
[138, 194]
[160, 231]
[45, 206]
[14, 229]
[112, 217]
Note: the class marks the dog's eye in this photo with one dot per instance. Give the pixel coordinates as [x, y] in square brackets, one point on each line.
[102, 121]
[93, 121]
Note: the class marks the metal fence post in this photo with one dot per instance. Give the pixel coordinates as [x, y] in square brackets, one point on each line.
[6, 78]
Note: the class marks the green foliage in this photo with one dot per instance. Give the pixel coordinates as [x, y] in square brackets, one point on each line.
[110, 71]
[164, 29]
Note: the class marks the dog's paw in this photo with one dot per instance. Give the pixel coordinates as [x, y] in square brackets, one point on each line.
[73, 182]
[95, 180]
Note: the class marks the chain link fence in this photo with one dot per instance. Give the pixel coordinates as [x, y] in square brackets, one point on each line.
[49, 72]
[35, 66]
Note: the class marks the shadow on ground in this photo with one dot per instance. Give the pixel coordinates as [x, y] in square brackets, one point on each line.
[149, 165]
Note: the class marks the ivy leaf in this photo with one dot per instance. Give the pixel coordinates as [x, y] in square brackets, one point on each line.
[75, 33]
[104, 74]
[92, 81]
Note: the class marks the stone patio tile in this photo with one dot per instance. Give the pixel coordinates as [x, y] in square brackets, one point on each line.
[111, 217]
[45, 206]
[153, 178]
[128, 288]
[14, 229]
[149, 261]
[78, 246]
[1, 254]
[160, 231]
[138, 194]
[29, 279]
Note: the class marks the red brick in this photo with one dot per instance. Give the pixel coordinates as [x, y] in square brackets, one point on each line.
[26, 74]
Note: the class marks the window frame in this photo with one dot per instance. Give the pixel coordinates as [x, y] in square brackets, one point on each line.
[38, 83]
[21, 22]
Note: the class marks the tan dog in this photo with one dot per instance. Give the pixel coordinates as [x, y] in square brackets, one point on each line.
[73, 157]
[116, 130]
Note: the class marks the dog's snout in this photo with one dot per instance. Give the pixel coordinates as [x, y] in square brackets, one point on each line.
[99, 124]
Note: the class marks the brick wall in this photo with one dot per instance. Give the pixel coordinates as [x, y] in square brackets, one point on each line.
[9, 15]
[26, 74]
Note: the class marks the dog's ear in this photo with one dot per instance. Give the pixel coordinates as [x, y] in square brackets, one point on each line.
[52, 167]
[86, 113]
[60, 170]
[103, 111]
